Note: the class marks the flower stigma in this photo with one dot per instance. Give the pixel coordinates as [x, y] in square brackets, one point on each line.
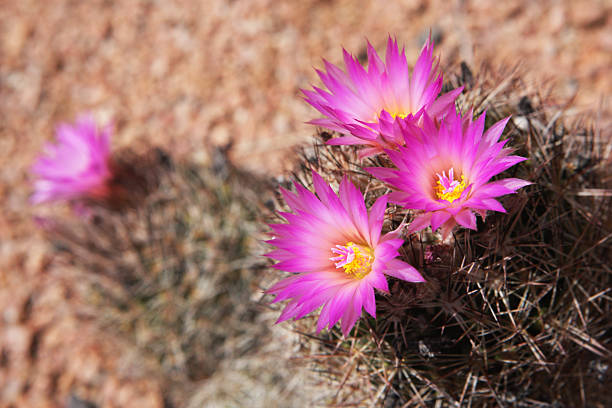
[447, 188]
[355, 259]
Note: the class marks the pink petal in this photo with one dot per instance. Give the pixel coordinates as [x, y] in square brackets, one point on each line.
[387, 248]
[288, 312]
[466, 218]
[352, 200]
[376, 219]
[369, 151]
[351, 315]
[441, 105]
[501, 187]
[339, 304]
[420, 222]
[345, 140]
[369, 300]
[493, 134]
[401, 270]
[438, 218]
[447, 228]
[486, 204]
[378, 281]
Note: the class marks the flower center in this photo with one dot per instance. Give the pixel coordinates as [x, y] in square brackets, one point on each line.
[355, 259]
[447, 188]
[400, 115]
[397, 114]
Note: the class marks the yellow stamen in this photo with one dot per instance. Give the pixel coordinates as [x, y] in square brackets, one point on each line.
[449, 196]
[400, 115]
[361, 263]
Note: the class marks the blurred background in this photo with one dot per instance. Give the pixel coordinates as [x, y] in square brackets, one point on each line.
[188, 74]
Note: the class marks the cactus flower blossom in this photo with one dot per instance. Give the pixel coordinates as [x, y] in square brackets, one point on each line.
[77, 166]
[366, 106]
[444, 171]
[337, 255]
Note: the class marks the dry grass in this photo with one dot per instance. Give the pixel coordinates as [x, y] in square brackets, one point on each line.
[516, 314]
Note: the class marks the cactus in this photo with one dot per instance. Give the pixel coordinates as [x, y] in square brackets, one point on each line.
[515, 314]
[171, 262]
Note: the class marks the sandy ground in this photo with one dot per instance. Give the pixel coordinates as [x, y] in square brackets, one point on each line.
[187, 74]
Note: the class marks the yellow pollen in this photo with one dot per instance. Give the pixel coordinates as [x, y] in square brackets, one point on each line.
[395, 114]
[452, 195]
[399, 115]
[361, 264]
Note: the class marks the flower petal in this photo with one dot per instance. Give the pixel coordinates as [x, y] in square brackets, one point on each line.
[401, 270]
[466, 218]
[376, 218]
[438, 218]
[420, 222]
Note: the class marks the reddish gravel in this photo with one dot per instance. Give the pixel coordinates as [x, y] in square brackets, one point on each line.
[185, 74]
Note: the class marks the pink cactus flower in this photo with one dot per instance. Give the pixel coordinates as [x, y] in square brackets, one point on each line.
[77, 166]
[445, 172]
[337, 254]
[370, 105]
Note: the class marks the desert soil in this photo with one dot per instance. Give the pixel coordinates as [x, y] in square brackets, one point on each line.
[187, 74]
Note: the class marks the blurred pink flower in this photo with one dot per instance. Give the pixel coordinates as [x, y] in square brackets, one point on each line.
[335, 249]
[445, 171]
[77, 166]
[370, 104]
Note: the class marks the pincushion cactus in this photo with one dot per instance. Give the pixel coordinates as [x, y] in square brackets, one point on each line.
[176, 272]
[514, 312]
